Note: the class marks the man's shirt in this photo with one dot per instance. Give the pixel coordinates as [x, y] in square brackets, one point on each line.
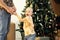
[9, 2]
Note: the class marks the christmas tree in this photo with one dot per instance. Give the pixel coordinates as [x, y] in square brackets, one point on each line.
[43, 17]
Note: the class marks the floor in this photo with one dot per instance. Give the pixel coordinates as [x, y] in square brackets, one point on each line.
[18, 36]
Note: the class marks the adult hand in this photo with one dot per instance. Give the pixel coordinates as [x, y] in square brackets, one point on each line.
[15, 14]
[10, 10]
[14, 8]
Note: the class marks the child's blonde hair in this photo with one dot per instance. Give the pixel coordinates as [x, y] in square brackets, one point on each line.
[28, 10]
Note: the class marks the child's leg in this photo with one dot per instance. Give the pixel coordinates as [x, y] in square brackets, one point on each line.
[31, 37]
[25, 38]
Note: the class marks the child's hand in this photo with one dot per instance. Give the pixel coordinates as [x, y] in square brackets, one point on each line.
[15, 14]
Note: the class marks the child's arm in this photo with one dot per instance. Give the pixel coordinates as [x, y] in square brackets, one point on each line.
[20, 19]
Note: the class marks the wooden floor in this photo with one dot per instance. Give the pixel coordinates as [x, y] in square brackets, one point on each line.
[37, 38]
[56, 38]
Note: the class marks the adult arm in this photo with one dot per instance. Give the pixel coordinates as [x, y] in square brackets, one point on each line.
[7, 8]
[20, 18]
